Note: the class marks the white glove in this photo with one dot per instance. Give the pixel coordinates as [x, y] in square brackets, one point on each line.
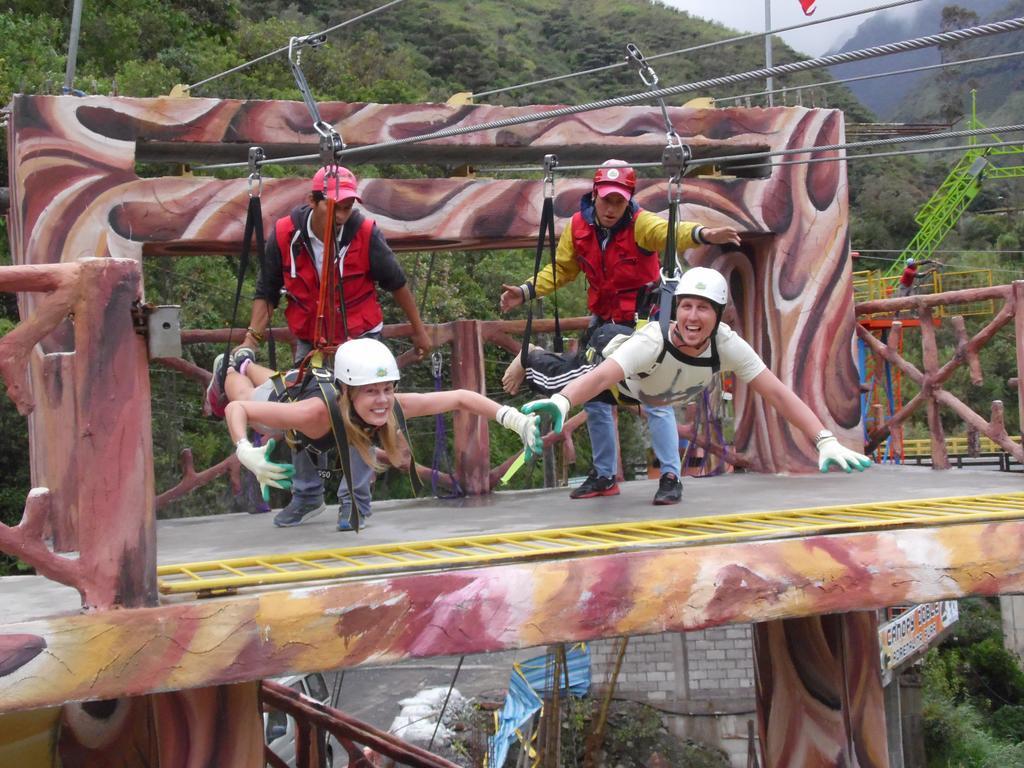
[526, 426]
[831, 451]
[557, 406]
[268, 473]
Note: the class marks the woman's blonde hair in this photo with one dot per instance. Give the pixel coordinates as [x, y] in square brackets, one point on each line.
[361, 436]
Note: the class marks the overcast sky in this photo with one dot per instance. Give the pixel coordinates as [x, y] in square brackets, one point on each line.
[748, 16]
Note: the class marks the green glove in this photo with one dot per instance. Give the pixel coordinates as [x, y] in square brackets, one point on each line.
[268, 473]
[556, 406]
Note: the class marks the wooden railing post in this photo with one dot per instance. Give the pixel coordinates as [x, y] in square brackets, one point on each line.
[113, 437]
[930, 363]
[472, 439]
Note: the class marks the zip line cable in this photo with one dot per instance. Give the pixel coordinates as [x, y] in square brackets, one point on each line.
[842, 81]
[927, 41]
[730, 159]
[898, 153]
[284, 49]
[702, 46]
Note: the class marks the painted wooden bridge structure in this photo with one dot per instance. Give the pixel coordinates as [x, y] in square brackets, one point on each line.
[122, 670]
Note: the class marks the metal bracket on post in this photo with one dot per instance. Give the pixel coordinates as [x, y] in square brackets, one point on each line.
[161, 325]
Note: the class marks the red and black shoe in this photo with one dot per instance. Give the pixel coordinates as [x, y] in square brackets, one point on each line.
[670, 490]
[595, 485]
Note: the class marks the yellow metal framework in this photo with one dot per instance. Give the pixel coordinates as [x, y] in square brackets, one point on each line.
[869, 285]
[954, 445]
[225, 576]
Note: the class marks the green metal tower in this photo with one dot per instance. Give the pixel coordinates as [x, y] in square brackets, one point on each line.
[944, 208]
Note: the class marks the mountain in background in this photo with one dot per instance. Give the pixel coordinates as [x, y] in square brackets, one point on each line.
[936, 95]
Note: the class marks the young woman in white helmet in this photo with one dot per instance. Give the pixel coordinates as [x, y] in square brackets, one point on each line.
[659, 367]
[365, 373]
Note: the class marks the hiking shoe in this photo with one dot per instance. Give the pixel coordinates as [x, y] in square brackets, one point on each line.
[216, 400]
[240, 357]
[670, 490]
[595, 485]
[298, 512]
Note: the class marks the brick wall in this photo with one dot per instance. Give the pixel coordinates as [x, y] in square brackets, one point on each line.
[703, 681]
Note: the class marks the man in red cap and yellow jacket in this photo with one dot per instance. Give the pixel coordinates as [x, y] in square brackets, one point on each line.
[616, 244]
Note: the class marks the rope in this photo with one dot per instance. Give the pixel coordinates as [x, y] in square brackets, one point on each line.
[285, 48]
[700, 47]
[927, 41]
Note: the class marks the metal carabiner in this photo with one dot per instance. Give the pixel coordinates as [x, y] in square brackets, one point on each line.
[550, 163]
[256, 158]
[643, 69]
[436, 359]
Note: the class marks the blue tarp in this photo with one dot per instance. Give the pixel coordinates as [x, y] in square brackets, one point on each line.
[530, 680]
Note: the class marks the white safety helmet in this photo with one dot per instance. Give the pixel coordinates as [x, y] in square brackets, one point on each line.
[704, 283]
[364, 361]
[911, 262]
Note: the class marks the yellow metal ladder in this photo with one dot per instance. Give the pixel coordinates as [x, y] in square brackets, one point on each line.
[225, 576]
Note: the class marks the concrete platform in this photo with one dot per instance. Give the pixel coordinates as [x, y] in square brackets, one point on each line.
[207, 538]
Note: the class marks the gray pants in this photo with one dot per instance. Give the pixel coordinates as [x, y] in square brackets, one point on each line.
[308, 486]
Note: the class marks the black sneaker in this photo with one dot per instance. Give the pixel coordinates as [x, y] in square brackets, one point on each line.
[595, 485]
[670, 490]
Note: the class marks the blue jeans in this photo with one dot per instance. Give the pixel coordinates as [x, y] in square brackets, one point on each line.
[308, 486]
[661, 421]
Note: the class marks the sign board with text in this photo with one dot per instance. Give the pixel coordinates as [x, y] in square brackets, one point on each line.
[913, 631]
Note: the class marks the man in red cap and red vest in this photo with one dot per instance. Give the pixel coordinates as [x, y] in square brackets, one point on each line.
[291, 267]
[616, 244]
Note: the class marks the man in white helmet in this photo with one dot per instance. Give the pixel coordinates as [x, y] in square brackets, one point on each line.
[616, 244]
[659, 367]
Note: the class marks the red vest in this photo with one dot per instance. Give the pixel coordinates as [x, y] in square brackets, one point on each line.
[614, 277]
[362, 310]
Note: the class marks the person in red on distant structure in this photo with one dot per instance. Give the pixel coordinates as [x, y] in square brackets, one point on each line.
[910, 275]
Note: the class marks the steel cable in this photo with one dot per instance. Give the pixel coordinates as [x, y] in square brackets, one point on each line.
[843, 81]
[730, 159]
[284, 49]
[691, 49]
[983, 30]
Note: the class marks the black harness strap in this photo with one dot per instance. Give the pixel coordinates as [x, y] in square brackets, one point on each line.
[713, 362]
[414, 478]
[329, 393]
[546, 236]
[253, 227]
[668, 266]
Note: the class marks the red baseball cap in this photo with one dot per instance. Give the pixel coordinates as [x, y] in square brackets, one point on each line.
[603, 190]
[614, 176]
[337, 182]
